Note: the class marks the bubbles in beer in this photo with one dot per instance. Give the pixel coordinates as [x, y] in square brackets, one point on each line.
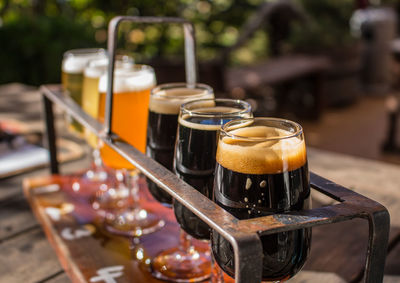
[248, 183]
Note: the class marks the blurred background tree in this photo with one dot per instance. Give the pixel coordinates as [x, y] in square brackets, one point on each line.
[35, 33]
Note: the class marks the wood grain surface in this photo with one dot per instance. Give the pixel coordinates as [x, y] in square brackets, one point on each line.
[337, 253]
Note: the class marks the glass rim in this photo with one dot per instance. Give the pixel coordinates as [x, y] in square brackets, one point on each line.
[96, 67]
[167, 86]
[225, 130]
[121, 75]
[135, 69]
[84, 51]
[140, 67]
[118, 58]
[246, 109]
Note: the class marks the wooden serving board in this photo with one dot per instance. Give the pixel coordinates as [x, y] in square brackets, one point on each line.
[85, 249]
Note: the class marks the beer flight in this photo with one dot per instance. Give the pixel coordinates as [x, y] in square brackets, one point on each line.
[250, 166]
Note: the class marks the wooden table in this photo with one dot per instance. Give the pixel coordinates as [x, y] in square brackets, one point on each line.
[337, 253]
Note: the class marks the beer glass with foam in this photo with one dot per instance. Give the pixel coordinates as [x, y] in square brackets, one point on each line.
[165, 102]
[262, 170]
[94, 69]
[131, 93]
[73, 65]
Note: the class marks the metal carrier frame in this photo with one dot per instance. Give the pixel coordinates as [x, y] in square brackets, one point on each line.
[244, 235]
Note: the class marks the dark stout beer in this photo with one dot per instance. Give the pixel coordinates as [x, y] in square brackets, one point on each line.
[195, 154]
[165, 102]
[262, 170]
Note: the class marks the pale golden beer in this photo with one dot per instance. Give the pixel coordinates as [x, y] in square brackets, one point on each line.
[90, 88]
[73, 65]
[130, 110]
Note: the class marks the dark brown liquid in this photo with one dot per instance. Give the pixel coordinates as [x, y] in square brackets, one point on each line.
[251, 195]
[161, 135]
[195, 160]
[195, 163]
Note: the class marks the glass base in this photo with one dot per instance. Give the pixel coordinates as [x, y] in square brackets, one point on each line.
[91, 182]
[178, 265]
[133, 223]
[98, 171]
[109, 198]
[96, 175]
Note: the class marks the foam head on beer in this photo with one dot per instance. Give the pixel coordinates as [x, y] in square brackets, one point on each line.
[261, 150]
[75, 61]
[168, 101]
[95, 68]
[127, 80]
[75, 65]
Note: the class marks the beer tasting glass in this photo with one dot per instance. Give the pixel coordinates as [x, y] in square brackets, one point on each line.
[94, 69]
[73, 65]
[194, 161]
[165, 102]
[131, 94]
[262, 170]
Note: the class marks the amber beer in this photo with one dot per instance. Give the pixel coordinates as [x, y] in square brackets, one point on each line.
[130, 110]
[262, 170]
[73, 66]
[165, 102]
[90, 88]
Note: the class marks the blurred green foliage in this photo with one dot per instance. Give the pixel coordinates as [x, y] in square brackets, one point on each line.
[32, 48]
[35, 33]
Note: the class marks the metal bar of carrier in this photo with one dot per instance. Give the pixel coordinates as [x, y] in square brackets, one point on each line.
[242, 234]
